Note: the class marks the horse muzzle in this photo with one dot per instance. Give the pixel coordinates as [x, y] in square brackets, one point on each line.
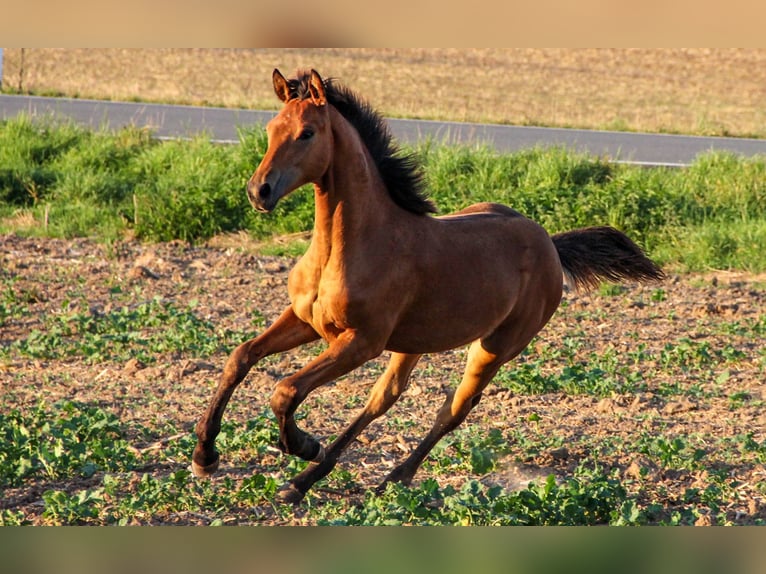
[262, 196]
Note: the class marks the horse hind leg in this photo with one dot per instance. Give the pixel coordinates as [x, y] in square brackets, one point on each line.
[480, 369]
[384, 394]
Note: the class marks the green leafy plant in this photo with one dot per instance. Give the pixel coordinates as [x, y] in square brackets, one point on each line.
[141, 331]
[71, 440]
[80, 182]
[591, 498]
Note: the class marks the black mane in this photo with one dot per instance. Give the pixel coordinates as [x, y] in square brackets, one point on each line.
[401, 173]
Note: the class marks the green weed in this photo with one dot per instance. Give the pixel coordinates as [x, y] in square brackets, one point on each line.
[78, 508]
[468, 449]
[73, 440]
[12, 518]
[689, 354]
[73, 182]
[588, 498]
[599, 375]
[142, 331]
[13, 302]
[610, 289]
[674, 452]
[69, 440]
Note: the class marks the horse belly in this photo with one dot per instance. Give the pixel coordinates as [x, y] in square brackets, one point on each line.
[424, 339]
[450, 318]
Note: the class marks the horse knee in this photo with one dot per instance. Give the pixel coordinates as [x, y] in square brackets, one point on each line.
[283, 400]
[239, 363]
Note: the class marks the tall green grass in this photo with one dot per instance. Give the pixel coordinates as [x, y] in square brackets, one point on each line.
[58, 179]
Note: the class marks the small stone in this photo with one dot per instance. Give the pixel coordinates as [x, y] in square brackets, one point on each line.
[680, 406]
[560, 453]
[605, 406]
[132, 367]
[633, 471]
[141, 272]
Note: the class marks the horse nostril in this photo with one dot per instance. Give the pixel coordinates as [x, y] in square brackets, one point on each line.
[264, 191]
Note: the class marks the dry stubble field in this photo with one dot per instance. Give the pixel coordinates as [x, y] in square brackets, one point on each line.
[703, 91]
[689, 425]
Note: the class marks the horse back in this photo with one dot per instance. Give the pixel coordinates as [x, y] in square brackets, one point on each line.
[484, 208]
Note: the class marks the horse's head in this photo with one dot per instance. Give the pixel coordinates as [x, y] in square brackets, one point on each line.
[300, 142]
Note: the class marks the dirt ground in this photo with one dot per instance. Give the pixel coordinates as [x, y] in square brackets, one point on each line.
[708, 404]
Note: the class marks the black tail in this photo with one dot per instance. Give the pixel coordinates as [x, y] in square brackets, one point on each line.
[593, 254]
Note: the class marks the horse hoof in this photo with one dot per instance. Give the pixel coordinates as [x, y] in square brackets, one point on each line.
[397, 476]
[205, 471]
[319, 456]
[380, 490]
[288, 494]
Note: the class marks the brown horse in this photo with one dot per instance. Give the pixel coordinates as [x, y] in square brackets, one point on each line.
[382, 274]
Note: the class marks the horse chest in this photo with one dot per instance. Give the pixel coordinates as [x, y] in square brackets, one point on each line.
[321, 300]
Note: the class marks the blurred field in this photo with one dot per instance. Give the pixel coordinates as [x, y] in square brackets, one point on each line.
[696, 91]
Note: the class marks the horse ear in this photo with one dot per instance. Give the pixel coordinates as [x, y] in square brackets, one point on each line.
[281, 89]
[316, 89]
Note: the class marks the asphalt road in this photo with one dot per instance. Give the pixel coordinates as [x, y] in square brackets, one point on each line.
[220, 124]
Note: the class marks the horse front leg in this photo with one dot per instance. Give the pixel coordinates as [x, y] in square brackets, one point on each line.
[287, 332]
[385, 393]
[345, 353]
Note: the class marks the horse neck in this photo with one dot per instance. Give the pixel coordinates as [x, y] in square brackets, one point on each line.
[351, 198]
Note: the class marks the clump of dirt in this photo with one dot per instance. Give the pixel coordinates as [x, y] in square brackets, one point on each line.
[689, 353]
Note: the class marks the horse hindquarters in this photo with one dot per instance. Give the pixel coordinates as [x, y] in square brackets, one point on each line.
[472, 272]
[537, 298]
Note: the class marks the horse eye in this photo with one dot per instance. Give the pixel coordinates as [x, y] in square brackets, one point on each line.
[306, 134]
